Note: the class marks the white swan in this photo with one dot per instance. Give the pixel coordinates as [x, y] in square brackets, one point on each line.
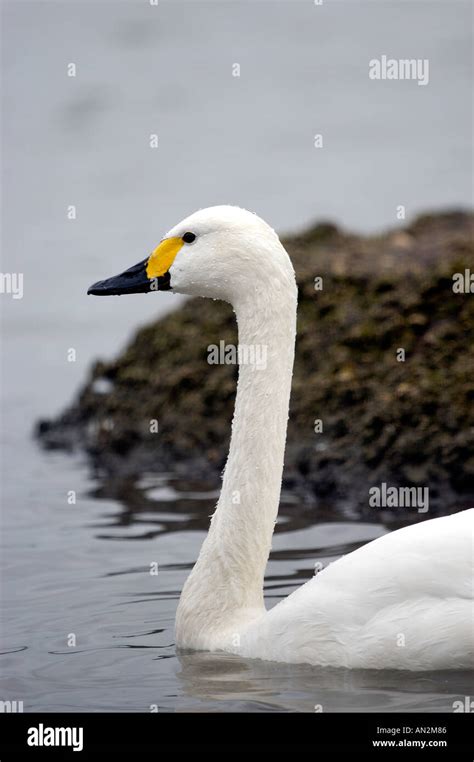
[404, 600]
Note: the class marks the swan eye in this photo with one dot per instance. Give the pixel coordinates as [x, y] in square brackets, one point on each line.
[189, 237]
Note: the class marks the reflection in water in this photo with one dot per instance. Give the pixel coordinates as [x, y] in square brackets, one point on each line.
[168, 504]
[92, 578]
[217, 679]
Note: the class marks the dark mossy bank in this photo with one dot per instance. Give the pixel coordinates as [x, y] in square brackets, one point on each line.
[404, 423]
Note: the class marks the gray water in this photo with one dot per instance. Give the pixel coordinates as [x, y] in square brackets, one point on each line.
[84, 569]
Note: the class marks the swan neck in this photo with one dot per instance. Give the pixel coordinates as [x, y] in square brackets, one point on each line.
[226, 584]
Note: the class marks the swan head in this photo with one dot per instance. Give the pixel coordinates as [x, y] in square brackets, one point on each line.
[222, 252]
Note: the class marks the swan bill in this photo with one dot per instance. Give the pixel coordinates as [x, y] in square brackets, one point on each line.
[152, 274]
[135, 280]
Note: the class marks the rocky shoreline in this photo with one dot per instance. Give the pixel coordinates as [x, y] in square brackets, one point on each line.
[403, 423]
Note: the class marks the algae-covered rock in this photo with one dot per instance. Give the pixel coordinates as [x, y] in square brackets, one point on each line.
[384, 419]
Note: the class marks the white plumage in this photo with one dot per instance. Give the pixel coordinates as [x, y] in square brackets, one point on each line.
[402, 601]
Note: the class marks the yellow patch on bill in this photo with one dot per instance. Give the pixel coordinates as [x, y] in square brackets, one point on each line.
[162, 257]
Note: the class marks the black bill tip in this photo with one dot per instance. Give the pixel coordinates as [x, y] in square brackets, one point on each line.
[132, 281]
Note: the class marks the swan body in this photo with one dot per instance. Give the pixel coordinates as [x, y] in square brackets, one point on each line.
[404, 600]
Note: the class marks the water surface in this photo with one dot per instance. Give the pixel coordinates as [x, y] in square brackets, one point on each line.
[84, 571]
